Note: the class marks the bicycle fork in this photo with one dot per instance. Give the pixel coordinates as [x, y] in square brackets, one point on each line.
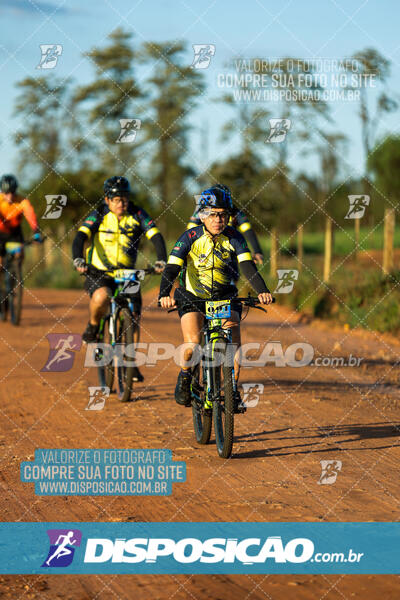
[211, 340]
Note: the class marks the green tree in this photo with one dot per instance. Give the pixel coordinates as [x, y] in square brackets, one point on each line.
[174, 89]
[111, 97]
[42, 107]
[255, 189]
[384, 165]
[297, 86]
[371, 62]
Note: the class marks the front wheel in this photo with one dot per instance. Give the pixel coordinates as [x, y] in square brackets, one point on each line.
[223, 405]
[124, 330]
[202, 417]
[106, 372]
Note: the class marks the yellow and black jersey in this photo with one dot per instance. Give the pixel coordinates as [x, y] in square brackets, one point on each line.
[114, 243]
[209, 263]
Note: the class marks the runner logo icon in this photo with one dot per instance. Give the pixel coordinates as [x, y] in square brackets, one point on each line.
[129, 129]
[62, 349]
[251, 394]
[54, 206]
[286, 277]
[62, 547]
[278, 130]
[97, 397]
[202, 55]
[50, 54]
[330, 470]
[358, 204]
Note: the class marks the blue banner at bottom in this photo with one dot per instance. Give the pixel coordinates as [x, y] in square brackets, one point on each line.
[194, 548]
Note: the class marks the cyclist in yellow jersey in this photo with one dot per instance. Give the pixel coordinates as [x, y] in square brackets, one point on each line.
[207, 258]
[239, 220]
[113, 231]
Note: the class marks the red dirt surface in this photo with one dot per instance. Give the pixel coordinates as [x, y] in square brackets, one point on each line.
[305, 415]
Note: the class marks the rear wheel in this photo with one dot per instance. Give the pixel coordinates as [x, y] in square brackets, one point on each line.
[223, 405]
[124, 326]
[14, 287]
[3, 297]
[202, 418]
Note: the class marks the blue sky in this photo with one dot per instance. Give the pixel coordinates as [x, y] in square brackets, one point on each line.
[256, 28]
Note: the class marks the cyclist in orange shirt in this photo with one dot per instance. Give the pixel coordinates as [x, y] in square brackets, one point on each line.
[13, 208]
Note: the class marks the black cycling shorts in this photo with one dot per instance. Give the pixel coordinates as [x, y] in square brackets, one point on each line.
[96, 279]
[187, 302]
[7, 237]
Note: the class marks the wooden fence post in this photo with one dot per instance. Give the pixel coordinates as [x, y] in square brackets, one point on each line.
[356, 237]
[300, 247]
[274, 252]
[328, 249]
[388, 240]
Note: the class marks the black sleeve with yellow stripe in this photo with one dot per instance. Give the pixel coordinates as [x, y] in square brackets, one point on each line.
[86, 231]
[152, 233]
[246, 262]
[176, 261]
[243, 225]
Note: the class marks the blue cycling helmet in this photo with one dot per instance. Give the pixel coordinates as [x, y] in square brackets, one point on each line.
[218, 196]
[116, 186]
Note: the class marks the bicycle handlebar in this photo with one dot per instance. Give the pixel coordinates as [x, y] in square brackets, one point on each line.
[250, 301]
[90, 268]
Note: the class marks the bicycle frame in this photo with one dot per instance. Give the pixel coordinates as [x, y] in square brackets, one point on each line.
[213, 331]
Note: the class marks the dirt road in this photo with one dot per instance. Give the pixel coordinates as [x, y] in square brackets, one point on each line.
[305, 415]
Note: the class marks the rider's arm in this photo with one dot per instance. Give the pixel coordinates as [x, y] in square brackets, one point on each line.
[78, 244]
[159, 246]
[247, 266]
[176, 261]
[244, 226]
[152, 233]
[249, 270]
[29, 214]
[85, 232]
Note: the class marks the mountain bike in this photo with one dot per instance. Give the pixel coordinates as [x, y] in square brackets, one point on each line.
[213, 386]
[117, 328]
[11, 282]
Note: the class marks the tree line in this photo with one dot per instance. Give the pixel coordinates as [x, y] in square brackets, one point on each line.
[67, 142]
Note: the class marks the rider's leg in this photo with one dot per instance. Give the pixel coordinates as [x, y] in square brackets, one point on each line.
[191, 324]
[99, 304]
[234, 325]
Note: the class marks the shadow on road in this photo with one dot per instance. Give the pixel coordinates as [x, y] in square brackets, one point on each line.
[356, 431]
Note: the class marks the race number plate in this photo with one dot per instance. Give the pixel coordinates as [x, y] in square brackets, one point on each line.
[218, 309]
[128, 274]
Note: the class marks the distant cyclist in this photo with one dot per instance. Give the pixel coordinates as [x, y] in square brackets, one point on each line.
[208, 257]
[239, 220]
[13, 208]
[113, 231]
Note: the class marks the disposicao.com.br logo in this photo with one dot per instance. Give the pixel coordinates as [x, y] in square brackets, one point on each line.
[62, 547]
[192, 550]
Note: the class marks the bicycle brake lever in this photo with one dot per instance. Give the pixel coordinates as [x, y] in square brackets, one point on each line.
[260, 308]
